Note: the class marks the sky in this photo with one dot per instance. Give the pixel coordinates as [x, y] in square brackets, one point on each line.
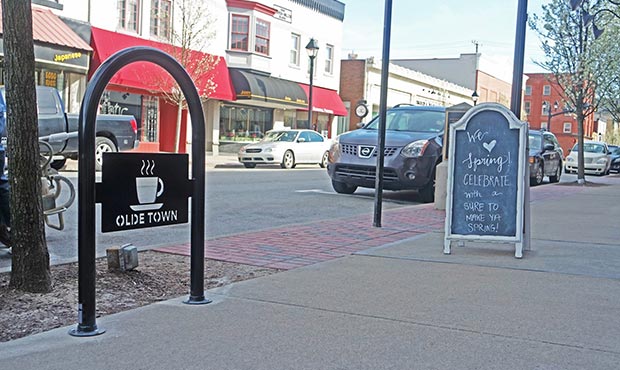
[441, 29]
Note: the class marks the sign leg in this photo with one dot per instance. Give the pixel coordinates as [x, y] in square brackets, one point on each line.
[446, 246]
[518, 250]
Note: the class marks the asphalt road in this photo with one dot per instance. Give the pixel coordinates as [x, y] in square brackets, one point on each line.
[238, 201]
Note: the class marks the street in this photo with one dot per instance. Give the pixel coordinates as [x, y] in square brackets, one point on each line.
[238, 201]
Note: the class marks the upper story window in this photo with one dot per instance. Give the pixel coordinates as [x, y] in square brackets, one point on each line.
[262, 37]
[129, 15]
[239, 32]
[546, 108]
[329, 59]
[528, 107]
[547, 90]
[528, 90]
[160, 18]
[295, 45]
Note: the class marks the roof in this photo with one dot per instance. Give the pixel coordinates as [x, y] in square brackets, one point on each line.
[48, 28]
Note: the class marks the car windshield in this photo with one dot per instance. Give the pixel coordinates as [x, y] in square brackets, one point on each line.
[615, 150]
[280, 136]
[411, 120]
[535, 141]
[590, 148]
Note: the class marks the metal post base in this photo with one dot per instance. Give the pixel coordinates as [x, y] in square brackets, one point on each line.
[197, 300]
[82, 332]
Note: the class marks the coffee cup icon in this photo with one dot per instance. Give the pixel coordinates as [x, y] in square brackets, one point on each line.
[149, 188]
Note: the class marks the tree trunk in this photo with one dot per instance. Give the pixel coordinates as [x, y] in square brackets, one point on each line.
[177, 131]
[581, 174]
[30, 266]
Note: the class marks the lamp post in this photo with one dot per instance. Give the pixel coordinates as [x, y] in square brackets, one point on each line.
[550, 115]
[313, 49]
[474, 97]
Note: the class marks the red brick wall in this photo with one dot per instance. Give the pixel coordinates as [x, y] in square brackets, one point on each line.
[537, 81]
[352, 82]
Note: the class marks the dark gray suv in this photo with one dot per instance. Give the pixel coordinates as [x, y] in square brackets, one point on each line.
[413, 143]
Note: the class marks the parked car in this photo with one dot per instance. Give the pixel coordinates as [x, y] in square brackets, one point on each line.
[113, 132]
[286, 147]
[615, 158]
[596, 158]
[545, 157]
[413, 144]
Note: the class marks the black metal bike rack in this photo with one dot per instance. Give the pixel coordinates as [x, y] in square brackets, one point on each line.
[87, 325]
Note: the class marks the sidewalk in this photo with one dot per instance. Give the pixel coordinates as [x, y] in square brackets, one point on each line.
[396, 303]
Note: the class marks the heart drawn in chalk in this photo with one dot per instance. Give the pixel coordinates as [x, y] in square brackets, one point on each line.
[490, 145]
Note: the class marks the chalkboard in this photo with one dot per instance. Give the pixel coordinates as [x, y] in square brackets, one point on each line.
[486, 178]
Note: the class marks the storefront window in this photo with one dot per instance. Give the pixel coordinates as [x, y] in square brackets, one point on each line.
[243, 123]
[150, 126]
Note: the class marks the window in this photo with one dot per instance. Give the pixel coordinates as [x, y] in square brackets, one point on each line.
[239, 32]
[295, 45]
[262, 37]
[527, 107]
[545, 108]
[160, 18]
[546, 90]
[329, 59]
[129, 15]
[567, 127]
[528, 90]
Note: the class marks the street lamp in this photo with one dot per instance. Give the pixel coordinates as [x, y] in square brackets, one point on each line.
[550, 115]
[313, 49]
[474, 97]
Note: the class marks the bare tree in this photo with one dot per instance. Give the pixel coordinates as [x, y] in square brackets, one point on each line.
[580, 64]
[30, 266]
[190, 35]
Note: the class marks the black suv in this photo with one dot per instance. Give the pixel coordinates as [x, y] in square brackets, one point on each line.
[545, 157]
[413, 143]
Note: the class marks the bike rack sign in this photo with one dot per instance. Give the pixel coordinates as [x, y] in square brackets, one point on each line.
[140, 190]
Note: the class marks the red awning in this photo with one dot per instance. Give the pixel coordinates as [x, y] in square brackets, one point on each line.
[325, 100]
[148, 76]
[48, 28]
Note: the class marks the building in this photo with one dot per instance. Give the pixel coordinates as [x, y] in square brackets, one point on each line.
[468, 70]
[259, 79]
[546, 108]
[62, 57]
[360, 80]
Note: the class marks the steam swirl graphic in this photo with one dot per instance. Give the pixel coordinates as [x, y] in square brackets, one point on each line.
[147, 167]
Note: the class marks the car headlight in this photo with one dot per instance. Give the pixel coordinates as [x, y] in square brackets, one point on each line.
[268, 150]
[617, 160]
[242, 150]
[415, 149]
[334, 150]
[570, 159]
[602, 160]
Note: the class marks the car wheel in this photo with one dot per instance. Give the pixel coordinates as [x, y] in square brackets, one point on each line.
[249, 165]
[556, 177]
[102, 145]
[538, 177]
[343, 188]
[288, 161]
[58, 164]
[324, 160]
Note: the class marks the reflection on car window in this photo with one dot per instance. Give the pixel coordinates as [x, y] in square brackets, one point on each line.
[280, 136]
[411, 120]
[534, 141]
[590, 148]
[614, 150]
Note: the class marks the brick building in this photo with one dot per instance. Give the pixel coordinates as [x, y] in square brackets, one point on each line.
[539, 103]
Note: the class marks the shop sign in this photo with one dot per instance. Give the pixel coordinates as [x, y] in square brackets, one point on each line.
[283, 14]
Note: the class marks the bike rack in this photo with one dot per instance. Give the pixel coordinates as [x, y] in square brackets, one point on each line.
[51, 190]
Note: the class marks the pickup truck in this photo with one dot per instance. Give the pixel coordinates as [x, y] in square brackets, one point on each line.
[113, 132]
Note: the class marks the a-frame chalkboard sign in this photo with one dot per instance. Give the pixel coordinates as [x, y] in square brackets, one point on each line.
[486, 178]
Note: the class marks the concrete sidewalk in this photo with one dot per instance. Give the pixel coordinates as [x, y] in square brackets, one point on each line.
[398, 305]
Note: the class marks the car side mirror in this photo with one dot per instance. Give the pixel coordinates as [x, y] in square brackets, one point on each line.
[301, 140]
[360, 124]
[549, 147]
